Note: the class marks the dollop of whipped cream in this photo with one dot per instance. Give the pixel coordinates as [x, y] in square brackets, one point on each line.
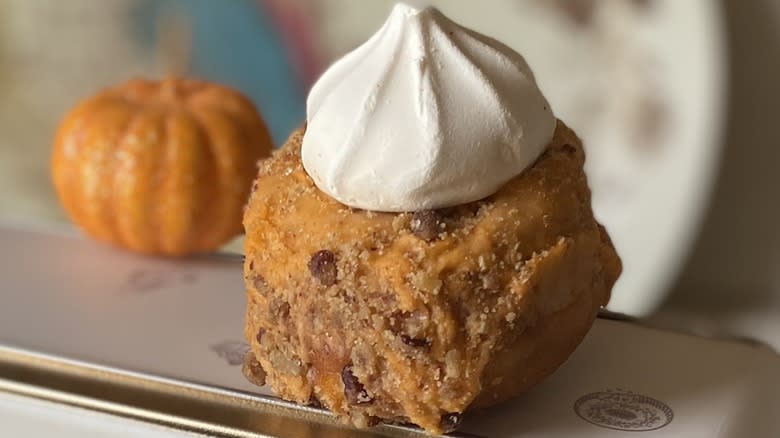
[426, 114]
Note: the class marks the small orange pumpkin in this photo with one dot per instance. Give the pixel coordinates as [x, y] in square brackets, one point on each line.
[160, 167]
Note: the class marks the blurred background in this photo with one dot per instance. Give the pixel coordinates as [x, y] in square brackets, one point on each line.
[676, 103]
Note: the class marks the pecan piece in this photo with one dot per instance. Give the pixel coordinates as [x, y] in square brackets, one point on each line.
[451, 421]
[427, 224]
[322, 266]
[416, 342]
[354, 391]
[252, 369]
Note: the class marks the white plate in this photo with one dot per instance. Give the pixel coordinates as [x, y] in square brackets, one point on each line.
[642, 82]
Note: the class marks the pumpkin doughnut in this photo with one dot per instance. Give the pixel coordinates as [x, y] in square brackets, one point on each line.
[417, 317]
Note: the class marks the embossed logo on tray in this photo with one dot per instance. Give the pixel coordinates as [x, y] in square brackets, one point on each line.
[231, 351]
[623, 410]
[141, 280]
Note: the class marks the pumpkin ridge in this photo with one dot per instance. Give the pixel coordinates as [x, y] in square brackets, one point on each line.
[112, 163]
[99, 142]
[166, 193]
[138, 178]
[252, 128]
[64, 172]
[203, 220]
[237, 107]
[195, 86]
[251, 134]
[218, 213]
[212, 128]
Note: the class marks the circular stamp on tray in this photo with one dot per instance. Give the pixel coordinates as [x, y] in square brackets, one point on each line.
[623, 410]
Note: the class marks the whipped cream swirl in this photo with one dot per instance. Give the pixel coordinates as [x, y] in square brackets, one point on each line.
[426, 114]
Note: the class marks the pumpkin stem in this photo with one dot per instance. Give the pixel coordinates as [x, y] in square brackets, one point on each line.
[169, 88]
[174, 42]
